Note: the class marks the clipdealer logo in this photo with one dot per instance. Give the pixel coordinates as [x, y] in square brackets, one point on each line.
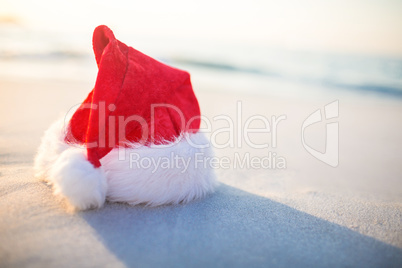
[237, 133]
[331, 154]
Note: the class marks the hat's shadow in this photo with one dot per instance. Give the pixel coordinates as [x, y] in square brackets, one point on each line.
[233, 228]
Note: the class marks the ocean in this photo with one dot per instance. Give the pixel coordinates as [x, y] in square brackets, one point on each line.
[29, 53]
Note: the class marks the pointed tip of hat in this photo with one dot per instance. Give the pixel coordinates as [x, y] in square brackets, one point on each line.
[103, 28]
[102, 36]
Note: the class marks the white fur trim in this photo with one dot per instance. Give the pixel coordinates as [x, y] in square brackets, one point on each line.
[151, 175]
[121, 178]
[76, 179]
[67, 169]
[51, 147]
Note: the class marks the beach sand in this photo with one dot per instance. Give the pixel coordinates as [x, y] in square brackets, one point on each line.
[308, 214]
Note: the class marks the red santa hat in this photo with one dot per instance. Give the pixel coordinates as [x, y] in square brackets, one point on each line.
[134, 139]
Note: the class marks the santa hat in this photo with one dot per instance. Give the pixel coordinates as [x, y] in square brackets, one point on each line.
[134, 139]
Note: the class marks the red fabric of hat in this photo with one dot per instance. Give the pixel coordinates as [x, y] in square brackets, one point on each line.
[138, 136]
[119, 108]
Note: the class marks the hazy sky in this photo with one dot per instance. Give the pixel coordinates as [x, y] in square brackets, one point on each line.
[366, 26]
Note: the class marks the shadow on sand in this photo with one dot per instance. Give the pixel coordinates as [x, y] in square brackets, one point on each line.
[233, 228]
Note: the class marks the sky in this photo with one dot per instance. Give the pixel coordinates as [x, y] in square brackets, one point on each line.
[354, 26]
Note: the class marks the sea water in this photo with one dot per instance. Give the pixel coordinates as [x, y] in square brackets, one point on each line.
[232, 67]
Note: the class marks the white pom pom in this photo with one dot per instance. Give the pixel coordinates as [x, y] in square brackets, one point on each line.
[76, 179]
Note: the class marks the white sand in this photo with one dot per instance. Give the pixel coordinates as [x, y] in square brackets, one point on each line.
[307, 215]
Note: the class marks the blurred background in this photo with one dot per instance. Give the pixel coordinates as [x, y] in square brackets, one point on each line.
[288, 57]
[292, 47]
